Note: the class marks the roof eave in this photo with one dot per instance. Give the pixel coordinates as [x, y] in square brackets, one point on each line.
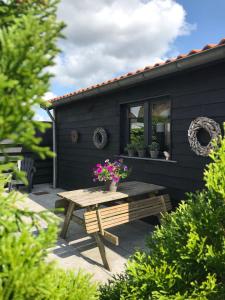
[194, 60]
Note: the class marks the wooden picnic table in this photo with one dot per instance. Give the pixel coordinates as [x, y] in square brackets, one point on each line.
[91, 198]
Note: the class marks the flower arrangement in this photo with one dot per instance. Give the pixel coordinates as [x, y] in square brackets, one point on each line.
[110, 171]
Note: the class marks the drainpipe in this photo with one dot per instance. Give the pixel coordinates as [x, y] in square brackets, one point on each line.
[52, 117]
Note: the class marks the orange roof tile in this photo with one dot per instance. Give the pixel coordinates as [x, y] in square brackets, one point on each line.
[147, 68]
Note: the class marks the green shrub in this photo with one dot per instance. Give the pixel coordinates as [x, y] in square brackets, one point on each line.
[214, 174]
[24, 272]
[28, 45]
[186, 256]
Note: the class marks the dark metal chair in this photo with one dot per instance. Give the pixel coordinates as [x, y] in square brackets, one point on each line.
[26, 165]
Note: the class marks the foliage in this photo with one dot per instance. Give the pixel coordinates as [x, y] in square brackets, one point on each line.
[154, 146]
[186, 254]
[28, 35]
[112, 171]
[24, 273]
[159, 119]
[130, 147]
[140, 146]
[137, 135]
[214, 174]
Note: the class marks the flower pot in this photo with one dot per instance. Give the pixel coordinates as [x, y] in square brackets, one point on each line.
[154, 154]
[141, 153]
[111, 186]
[131, 152]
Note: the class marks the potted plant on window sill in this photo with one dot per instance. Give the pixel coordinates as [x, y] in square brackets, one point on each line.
[154, 149]
[130, 149]
[141, 150]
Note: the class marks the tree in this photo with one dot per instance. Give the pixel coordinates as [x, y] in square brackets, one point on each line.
[28, 35]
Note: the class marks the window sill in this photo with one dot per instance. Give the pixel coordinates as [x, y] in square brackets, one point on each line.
[147, 158]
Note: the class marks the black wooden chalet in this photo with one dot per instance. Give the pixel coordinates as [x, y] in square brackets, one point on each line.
[173, 93]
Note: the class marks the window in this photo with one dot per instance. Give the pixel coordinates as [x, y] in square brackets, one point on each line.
[145, 124]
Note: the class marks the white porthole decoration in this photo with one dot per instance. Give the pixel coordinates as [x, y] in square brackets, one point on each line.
[100, 138]
[208, 125]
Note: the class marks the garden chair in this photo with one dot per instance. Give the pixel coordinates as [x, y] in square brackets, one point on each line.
[26, 165]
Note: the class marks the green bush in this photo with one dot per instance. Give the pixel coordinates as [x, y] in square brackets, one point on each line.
[28, 45]
[215, 172]
[24, 272]
[186, 256]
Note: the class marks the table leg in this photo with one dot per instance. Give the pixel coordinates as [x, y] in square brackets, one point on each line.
[101, 248]
[67, 219]
[100, 243]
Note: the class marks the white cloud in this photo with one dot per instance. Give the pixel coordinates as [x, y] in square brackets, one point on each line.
[108, 37]
[49, 95]
[41, 114]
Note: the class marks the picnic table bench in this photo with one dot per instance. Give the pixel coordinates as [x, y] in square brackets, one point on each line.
[96, 219]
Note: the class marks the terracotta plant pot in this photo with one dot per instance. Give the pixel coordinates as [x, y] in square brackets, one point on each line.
[111, 186]
[141, 153]
[154, 154]
[131, 152]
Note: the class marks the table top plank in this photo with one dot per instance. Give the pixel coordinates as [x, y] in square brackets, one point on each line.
[96, 195]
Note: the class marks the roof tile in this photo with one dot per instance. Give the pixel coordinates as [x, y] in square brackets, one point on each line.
[181, 56]
[147, 68]
[209, 46]
[194, 51]
[222, 42]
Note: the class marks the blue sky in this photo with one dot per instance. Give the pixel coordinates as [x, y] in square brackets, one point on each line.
[209, 17]
[114, 42]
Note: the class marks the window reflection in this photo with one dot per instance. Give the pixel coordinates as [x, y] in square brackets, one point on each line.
[161, 124]
[136, 124]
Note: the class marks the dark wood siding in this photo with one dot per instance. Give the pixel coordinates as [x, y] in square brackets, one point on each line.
[195, 93]
[44, 167]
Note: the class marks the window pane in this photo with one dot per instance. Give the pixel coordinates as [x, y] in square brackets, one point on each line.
[136, 124]
[136, 112]
[161, 124]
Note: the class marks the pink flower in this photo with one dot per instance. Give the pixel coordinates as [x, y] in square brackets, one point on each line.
[116, 179]
[110, 168]
[110, 171]
[99, 170]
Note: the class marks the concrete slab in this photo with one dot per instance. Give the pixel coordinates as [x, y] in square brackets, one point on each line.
[79, 250]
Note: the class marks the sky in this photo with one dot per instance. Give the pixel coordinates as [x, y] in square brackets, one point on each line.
[107, 38]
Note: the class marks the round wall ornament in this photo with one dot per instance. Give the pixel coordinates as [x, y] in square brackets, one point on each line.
[100, 138]
[208, 125]
[74, 136]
